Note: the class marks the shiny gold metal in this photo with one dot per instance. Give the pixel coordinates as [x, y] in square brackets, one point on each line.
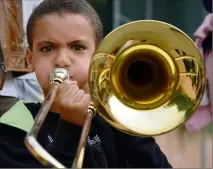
[59, 75]
[146, 78]
[79, 158]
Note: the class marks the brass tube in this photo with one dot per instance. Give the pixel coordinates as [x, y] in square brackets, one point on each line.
[30, 141]
[57, 77]
[79, 158]
[32, 144]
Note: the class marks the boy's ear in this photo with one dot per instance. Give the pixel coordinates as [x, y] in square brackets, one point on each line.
[29, 58]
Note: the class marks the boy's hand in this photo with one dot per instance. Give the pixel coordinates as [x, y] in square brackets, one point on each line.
[72, 102]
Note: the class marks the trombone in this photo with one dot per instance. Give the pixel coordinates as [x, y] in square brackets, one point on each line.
[146, 78]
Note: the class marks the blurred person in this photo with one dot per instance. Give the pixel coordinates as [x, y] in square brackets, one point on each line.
[203, 40]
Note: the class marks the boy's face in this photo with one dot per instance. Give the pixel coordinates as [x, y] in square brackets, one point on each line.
[64, 41]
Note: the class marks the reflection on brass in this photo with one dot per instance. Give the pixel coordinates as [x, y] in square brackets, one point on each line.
[146, 78]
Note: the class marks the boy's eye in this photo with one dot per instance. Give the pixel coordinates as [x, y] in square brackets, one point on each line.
[78, 47]
[47, 49]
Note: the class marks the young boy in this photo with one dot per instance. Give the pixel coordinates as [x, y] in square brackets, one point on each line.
[65, 33]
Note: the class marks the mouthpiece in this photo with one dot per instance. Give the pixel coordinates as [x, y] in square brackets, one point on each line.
[59, 75]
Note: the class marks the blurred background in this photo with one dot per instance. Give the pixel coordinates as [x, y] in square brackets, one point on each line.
[185, 14]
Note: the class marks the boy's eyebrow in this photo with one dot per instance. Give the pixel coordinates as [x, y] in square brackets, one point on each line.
[78, 41]
[44, 42]
[72, 42]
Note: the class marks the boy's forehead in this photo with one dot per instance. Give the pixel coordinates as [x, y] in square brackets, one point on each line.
[63, 28]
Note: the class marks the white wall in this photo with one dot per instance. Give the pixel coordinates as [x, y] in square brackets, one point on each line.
[28, 6]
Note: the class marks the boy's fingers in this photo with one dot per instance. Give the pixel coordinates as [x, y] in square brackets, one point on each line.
[74, 82]
[73, 90]
[78, 95]
[84, 102]
[64, 87]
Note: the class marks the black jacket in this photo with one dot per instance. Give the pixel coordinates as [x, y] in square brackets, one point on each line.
[106, 146]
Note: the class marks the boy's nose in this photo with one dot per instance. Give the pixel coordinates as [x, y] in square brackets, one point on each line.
[62, 60]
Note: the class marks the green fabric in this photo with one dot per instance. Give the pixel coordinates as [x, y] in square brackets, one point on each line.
[18, 116]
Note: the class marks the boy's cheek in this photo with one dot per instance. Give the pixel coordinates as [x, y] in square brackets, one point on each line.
[43, 80]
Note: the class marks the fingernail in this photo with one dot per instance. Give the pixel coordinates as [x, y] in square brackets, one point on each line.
[74, 82]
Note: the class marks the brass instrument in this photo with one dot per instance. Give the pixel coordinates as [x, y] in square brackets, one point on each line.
[146, 78]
